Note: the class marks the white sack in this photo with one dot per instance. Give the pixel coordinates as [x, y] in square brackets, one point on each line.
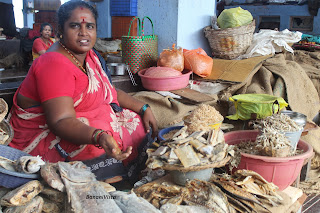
[268, 42]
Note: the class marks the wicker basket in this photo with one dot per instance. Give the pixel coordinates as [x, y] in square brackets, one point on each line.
[10, 179]
[231, 42]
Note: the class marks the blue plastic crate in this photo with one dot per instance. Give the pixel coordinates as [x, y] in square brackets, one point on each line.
[124, 7]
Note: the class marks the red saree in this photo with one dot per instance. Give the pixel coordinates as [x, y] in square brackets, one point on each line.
[53, 75]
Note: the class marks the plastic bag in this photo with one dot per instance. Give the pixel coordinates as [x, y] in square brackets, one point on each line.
[172, 58]
[234, 17]
[268, 42]
[256, 106]
[198, 61]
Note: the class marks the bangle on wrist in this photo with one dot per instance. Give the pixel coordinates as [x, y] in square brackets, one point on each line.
[95, 137]
[143, 109]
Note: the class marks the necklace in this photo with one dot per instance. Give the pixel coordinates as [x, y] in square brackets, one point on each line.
[74, 58]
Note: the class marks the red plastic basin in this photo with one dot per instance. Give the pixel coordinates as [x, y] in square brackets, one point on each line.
[280, 171]
[165, 84]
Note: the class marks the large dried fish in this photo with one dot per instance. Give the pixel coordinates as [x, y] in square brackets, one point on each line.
[85, 194]
[130, 203]
[34, 206]
[49, 172]
[29, 164]
[22, 195]
[171, 208]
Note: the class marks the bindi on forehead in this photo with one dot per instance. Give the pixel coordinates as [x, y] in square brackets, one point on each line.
[83, 18]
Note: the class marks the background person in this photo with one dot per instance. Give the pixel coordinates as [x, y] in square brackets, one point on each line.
[42, 44]
[66, 109]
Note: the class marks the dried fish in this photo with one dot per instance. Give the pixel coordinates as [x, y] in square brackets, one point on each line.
[22, 195]
[206, 194]
[53, 195]
[130, 203]
[7, 164]
[187, 156]
[34, 206]
[49, 172]
[85, 194]
[50, 206]
[29, 164]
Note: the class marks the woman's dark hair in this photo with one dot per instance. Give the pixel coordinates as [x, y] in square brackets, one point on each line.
[43, 25]
[65, 10]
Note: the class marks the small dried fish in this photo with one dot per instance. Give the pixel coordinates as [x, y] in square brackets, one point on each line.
[53, 195]
[7, 164]
[29, 164]
[22, 195]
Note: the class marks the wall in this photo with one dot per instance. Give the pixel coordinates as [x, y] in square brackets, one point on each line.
[104, 19]
[178, 21]
[284, 11]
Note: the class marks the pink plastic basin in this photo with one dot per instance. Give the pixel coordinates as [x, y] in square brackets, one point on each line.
[164, 84]
[280, 171]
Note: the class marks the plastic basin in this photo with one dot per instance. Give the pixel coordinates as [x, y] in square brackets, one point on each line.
[164, 84]
[167, 130]
[280, 171]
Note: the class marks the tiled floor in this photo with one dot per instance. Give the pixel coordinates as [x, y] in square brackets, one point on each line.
[311, 204]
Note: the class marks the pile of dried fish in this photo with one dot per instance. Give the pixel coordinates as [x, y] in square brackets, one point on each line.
[246, 189]
[202, 117]
[187, 150]
[278, 122]
[243, 191]
[195, 193]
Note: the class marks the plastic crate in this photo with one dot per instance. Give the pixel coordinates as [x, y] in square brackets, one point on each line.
[123, 8]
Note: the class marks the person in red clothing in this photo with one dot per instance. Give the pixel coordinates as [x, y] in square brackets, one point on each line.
[67, 109]
[42, 44]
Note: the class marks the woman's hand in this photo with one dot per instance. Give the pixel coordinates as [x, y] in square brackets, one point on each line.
[150, 121]
[110, 146]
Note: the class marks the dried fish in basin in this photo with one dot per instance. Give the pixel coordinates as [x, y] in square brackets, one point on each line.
[7, 164]
[22, 194]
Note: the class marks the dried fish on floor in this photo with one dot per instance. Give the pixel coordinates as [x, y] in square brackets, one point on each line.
[107, 186]
[85, 194]
[22, 195]
[130, 203]
[206, 194]
[34, 206]
[29, 164]
[49, 172]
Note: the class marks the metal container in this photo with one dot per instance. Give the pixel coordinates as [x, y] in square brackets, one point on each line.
[181, 178]
[298, 117]
[118, 68]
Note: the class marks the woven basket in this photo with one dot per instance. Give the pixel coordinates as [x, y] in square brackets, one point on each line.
[3, 109]
[9, 179]
[231, 42]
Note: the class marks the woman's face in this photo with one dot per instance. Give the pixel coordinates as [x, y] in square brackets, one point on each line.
[46, 32]
[80, 31]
